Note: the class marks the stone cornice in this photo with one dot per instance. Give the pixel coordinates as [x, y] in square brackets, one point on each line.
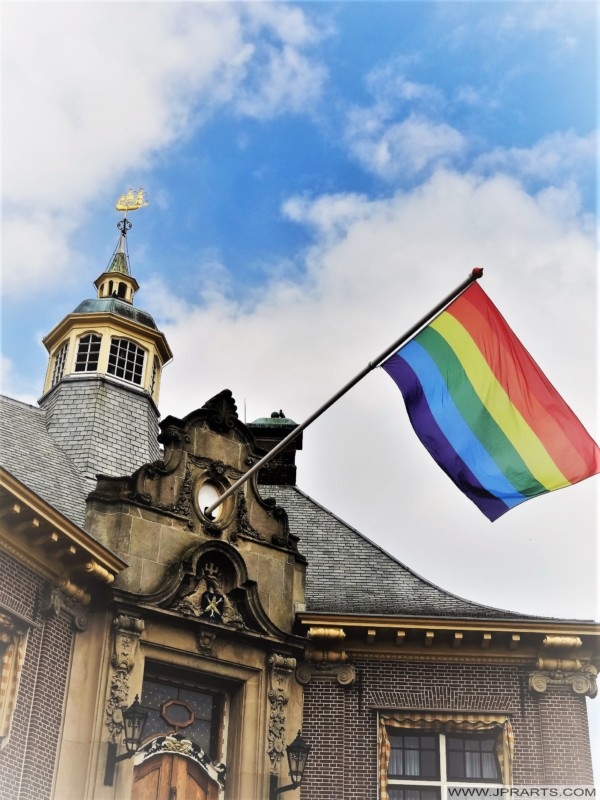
[518, 625]
[466, 640]
[49, 543]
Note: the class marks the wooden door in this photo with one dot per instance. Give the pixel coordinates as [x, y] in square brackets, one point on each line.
[172, 777]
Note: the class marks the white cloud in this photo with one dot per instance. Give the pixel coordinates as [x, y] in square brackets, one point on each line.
[553, 159]
[375, 268]
[8, 383]
[88, 96]
[408, 148]
[388, 83]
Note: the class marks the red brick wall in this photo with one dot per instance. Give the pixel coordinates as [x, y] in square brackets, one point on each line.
[551, 736]
[28, 760]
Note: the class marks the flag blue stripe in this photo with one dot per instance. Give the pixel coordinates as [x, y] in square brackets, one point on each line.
[455, 430]
[444, 454]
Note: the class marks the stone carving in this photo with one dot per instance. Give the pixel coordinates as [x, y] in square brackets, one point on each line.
[182, 506]
[54, 602]
[581, 681]
[345, 674]
[209, 601]
[221, 411]
[177, 743]
[280, 671]
[127, 631]
[244, 528]
[205, 641]
[217, 470]
[562, 641]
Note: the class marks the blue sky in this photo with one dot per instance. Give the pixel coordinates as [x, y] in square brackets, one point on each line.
[319, 175]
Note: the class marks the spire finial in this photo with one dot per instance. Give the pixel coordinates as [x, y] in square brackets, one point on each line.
[129, 201]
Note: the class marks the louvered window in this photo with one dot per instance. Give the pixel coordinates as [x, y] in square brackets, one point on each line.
[59, 363]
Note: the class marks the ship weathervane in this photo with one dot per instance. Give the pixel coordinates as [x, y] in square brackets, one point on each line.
[131, 201]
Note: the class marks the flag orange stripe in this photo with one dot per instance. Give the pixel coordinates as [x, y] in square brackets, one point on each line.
[562, 434]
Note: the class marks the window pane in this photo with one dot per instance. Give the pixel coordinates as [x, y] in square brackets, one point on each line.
[413, 756]
[412, 793]
[489, 766]
[87, 353]
[456, 767]
[126, 360]
[472, 757]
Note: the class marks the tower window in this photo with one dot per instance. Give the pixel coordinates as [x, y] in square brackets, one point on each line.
[122, 290]
[88, 353]
[126, 360]
[59, 363]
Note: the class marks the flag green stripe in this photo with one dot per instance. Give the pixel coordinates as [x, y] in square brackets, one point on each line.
[477, 416]
[494, 397]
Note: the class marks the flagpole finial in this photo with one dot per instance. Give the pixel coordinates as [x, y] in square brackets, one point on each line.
[477, 273]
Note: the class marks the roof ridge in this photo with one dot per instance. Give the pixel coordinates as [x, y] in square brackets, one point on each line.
[16, 401]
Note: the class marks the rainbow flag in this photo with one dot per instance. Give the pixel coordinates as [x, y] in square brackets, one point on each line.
[485, 411]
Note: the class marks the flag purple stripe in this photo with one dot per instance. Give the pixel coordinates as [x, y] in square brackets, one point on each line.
[437, 444]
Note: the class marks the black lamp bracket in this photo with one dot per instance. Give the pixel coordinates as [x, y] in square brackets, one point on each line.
[112, 759]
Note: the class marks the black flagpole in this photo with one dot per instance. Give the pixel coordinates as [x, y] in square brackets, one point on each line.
[474, 276]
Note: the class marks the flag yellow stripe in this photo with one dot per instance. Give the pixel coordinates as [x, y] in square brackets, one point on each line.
[494, 397]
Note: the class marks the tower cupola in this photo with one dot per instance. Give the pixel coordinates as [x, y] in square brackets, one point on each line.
[116, 280]
[104, 371]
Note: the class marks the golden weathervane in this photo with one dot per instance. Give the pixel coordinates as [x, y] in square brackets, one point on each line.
[131, 201]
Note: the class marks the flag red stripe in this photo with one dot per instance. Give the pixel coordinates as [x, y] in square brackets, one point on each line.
[562, 434]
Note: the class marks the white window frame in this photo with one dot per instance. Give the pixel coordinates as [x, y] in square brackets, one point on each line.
[442, 784]
[86, 363]
[131, 348]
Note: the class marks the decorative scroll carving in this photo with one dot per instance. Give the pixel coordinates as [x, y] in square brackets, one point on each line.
[127, 631]
[280, 672]
[55, 600]
[331, 634]
[345, 674]
[177, 743]
[244, 528]
[221, 411]
[182, 505]
[562, 641]
[582, 680]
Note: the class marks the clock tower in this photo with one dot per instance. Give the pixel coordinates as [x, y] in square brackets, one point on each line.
[103, 378]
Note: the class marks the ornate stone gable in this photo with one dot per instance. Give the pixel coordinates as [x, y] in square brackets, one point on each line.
[204, 454]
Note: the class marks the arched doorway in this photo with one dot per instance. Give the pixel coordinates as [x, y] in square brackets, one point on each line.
[172, 777]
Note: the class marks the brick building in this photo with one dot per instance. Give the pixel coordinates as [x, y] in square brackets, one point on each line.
[237, 631]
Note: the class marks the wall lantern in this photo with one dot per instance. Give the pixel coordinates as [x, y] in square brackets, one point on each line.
[297, 756]
[134, 721]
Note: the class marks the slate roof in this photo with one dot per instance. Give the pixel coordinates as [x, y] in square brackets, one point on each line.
[349, 574]
[32, 456]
